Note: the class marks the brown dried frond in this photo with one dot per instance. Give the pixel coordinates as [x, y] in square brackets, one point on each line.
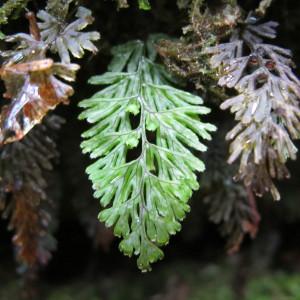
[29, 221]
[33, 90]
[31, 83]
[23, 198]
[230, 204]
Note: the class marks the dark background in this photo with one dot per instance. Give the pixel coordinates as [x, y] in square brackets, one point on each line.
[87, 263]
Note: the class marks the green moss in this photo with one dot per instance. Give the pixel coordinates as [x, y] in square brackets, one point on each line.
[210, 282]
[76, 291]
[279, 286]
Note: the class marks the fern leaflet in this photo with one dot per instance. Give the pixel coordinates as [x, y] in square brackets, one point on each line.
[143, 198]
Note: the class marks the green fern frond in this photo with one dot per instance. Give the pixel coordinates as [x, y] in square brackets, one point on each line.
[144, 198]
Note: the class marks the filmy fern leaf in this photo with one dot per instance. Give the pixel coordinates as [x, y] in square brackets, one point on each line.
[64, 38]
[144, 198]
[266, 107]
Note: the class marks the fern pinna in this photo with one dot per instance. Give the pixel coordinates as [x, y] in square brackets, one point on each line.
[143, 198]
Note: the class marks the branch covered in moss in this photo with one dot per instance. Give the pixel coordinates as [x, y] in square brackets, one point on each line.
[9, 7]
[185, 58]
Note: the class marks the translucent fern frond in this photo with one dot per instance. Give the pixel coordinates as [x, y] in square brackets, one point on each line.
[266, 106]
[65, 38]
[144, 175]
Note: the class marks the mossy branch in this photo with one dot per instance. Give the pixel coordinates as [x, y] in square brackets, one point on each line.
[7, 9]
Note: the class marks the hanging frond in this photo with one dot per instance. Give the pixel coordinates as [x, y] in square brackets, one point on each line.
[23, 198]
[33, 90]
[266, 108]
[230, 204]
[30, 222]
[31, 83]
[144, 197]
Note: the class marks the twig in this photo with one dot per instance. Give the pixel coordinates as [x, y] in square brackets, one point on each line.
[33, 27]
[255, 214]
